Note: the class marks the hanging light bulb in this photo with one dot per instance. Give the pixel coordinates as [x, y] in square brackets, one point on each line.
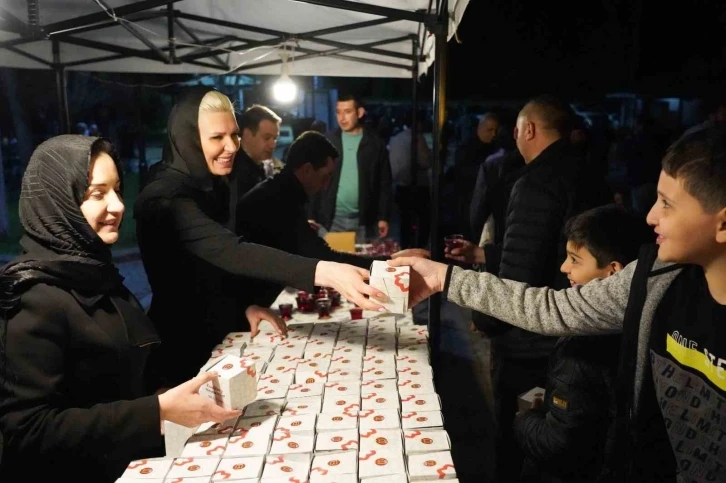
[284, 89]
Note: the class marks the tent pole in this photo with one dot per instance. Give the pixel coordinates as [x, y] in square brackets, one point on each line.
[411, 202]
[61, 87]
[439, 155]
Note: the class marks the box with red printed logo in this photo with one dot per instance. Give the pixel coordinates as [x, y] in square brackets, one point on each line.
[380, 462]
[151, 468]
[192, 467]
[380, 400]
[431, 466]
[378, 385]
[336, 403]
[204, 445]
[426, 440]
[303, 405]
[248, 443]
[236, 385]
[292, 467]
[378, 419]
[381, 439]
[306, 389]
[336, 421]
[379, 372]
[394, 283]
[343, 375]
[301, 422]
[343, 388]
[406, 387]
[337, 440]
[239, 469]
[420, 402]
[422, 419]
[264, 407]
[337, 463]
[418, 371]
[286, 442]
[260, 424]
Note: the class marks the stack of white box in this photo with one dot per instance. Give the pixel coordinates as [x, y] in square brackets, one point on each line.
[350, 401]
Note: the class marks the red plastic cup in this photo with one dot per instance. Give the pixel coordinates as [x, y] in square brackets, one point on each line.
[356, 313]
[286, 311]
[324, 305]
[454, 241]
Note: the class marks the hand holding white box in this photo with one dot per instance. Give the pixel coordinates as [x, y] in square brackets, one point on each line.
[236, 385]
[394, 283]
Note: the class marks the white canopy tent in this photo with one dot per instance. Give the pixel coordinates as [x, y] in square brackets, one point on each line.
[324, 37]
[356, 38]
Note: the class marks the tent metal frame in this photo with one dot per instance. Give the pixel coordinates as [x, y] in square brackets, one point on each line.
[435, 20]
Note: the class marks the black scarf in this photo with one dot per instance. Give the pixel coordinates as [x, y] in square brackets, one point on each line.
[60, 247]
[183, 167]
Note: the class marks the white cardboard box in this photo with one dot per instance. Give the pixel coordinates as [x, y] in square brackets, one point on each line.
[393, 282]
[406, 387]
[236, 385]
[375, 360]
[148, 468]
[264, 407]
[420, 402]
[343, 388]
[338, 440]
[378, 419]
[426, 441]
[275, 379]
[248, 443]
[354, 362]
[192, 467]
[339, 478]
[287, 442]
[287, 466]
[271, 391]
[304, 377]
[261, 424]
[212, 428]
[336, 421]
[347, 404]
[313, 365]
[415, 372]
[303, 405]
[411, 360]
[400, 478]
[343, 375]
[282, 366]
[204, 445]
[421, 420]
[378, 385]
[380, 463]
[525, 401]
[337, 463]
[379, 372]
[431, 466]
[381, 439]
[239, 468]
[306, 389]
[380, 400]
[297, 423]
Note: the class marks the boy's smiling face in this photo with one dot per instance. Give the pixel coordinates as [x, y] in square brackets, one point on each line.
[581, 266]
[686, 232]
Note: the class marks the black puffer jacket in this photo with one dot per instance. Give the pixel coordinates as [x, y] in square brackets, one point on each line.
[553, 188]
[564, 440]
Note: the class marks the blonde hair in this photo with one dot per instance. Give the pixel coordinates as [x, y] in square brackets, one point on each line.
[215, 101]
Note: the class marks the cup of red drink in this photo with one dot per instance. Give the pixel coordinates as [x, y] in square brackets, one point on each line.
[323, 305]
[454, 241]
[286, 311]
[334, 297]
[356, 313]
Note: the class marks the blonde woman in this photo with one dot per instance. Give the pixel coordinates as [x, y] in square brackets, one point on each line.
[196, 267]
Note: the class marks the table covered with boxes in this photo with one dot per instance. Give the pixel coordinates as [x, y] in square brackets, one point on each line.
[337, 401]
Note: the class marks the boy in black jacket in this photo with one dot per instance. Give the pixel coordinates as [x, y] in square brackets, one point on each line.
[564, 439]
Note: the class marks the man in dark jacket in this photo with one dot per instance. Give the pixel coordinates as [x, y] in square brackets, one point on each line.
[273, 212]
[360, 191]
[552, 188]
[259, 129]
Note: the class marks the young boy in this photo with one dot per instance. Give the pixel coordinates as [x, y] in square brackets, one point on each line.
[671, 377]
[564, 438]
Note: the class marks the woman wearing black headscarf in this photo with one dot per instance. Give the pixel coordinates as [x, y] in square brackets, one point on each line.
[73, 340]
[196, 267]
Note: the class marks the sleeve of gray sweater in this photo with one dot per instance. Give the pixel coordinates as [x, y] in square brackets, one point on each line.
[595, 308]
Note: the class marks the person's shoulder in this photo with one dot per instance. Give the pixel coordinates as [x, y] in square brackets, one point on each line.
[48, 300]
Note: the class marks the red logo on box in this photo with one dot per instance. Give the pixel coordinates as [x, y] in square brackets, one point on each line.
[420, 402]
[239, 466]
[247, 444]
[286, 469]
[194, 467]
[380, 400]
[296, 423]
[339, 403]
[382, 441]
[415, 386]
[333, 463]
[429, 463]
[227, 366]
[293, 445]
[378, 386]
[422, 419]
[378, 418]
[381, 461]
[336, 439]
[427, 441]
[206, 444]
[145, 471]
[390, 269]
[338, 418]
[309, 380]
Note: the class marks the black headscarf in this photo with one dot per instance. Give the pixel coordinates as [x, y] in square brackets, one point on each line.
[183, 166]
[60, 247]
